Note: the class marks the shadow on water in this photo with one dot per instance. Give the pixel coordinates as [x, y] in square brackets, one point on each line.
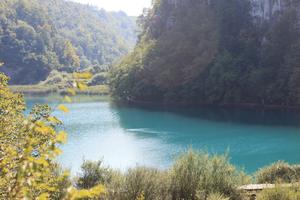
[250, 116]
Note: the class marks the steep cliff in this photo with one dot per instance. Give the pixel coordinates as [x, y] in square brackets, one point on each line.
[266, 9]
[272, 9]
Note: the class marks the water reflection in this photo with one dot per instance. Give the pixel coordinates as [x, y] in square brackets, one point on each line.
[254, 138]
[255, 116]
[126, 136]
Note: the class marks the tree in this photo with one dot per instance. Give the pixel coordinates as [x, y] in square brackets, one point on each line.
[70, 56]
[28, 147]
[37, 37]
[212, 52]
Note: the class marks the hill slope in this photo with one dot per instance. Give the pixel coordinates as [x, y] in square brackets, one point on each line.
[38, 36]
[214, 52]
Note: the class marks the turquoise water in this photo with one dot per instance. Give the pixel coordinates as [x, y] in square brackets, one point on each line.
[126, 136]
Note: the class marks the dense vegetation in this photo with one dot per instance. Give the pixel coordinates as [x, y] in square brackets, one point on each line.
[279, 172]
[193, 176]
[199, 53]
[29, 146]
[213, 52]
[38, 36]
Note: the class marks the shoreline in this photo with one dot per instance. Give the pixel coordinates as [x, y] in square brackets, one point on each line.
[207, 105]
[40, 90]
[103, 90]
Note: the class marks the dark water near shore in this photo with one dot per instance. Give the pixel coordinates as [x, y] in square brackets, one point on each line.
[127, 136]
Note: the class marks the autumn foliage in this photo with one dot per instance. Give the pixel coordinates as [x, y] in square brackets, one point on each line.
[28, 148]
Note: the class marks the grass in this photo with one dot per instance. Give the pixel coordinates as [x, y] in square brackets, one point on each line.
[280, 193]
[102, 90]
[34, 89]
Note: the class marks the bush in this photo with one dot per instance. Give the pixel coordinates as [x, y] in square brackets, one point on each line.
[195, 175]
[139, 183]
[280, 193]
[98, 79]
[216, 196]
[279, 172]
[56, 78]
[144, 182]
[115, 188]
[93, 173]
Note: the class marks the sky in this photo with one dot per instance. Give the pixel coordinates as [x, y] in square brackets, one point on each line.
[131, 7]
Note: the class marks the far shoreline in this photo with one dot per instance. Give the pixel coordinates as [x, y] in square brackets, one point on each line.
[45, 90]
[251, 106]
[103, 90]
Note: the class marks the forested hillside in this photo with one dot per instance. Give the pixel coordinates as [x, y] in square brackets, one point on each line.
[38, 36]
[214, 52]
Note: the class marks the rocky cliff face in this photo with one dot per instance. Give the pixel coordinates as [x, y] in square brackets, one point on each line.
[268, 9]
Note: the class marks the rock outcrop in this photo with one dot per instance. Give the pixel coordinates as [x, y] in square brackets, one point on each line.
[268, 9]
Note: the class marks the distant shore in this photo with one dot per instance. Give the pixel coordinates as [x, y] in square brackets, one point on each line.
[103, 90]
[221, 105]
[43, 90]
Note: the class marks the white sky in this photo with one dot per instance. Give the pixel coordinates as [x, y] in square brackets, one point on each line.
[131, 7]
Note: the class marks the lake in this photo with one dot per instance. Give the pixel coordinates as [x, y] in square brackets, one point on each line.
[125, 136]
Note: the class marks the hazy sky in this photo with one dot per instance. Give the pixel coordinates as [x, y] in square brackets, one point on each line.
[131, 7]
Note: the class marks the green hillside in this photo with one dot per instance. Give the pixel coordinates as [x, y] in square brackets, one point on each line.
[37, 37]
[214, 52]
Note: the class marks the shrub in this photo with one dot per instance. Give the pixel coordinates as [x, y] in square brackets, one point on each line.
[115, 188]
[279, 172]
[216, 196]
[98, 79]
[195, 175]
[144, 182]
[92, 174]
[280, 193]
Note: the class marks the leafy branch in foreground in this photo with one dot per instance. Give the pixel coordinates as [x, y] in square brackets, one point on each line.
[28, 148]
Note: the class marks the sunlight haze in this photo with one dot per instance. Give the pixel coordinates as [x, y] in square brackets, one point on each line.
[131, 7]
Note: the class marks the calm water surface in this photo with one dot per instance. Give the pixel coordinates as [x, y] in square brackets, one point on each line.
[126, 136]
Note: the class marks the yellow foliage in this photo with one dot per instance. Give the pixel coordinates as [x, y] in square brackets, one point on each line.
[141, 197]
[83, 75]
[61, 137]
[68, 99]
[54, 120]
[63, 108]
[44, 196]
[28, 149]
[71, 91]
[57, 151]
[82, 86]
[93, 193]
